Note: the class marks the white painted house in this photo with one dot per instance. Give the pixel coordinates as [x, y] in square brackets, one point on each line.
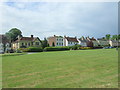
[82, 41]
[114, 43]
[103, 42]
[70, 41]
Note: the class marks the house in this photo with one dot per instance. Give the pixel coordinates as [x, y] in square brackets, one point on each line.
[4, 44]
[70, 41]
[25, 42]
[103, 42]
[92, 41]
[114, 43]
[82, 41]
[56, 40]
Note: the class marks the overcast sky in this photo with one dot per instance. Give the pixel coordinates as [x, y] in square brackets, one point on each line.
[43, 19]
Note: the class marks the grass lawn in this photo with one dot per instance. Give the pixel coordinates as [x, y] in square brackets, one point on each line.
[62, 69]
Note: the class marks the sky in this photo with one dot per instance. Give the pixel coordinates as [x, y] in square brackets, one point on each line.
[44, 19]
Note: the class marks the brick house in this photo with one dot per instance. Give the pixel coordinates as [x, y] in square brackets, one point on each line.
[92, 42]
[25, 42]
[57, 40]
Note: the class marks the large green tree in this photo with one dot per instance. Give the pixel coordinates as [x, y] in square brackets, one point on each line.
[108, 36]
[44, 43]
[13, 33]
[114, 37]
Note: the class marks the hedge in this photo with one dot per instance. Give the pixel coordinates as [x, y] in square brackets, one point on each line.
[56, 48]
[32, 49]
[84, 48]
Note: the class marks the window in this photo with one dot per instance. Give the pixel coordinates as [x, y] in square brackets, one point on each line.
[57, 43]
[31, 43]
[22, 44]
[28, 44]
[37, 43]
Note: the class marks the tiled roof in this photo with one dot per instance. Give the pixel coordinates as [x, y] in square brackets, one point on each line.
[93, 39]
[71, 39]
[26, 39]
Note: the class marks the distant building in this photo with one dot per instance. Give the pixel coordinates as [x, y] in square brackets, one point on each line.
[57, 40]
[82, 41]
[24, 42]
[92, 41]
[4, 44]
[103, 42]
[114, 43]
[70, 41]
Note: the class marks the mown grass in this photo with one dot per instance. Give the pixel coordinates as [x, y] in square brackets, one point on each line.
[62, 69]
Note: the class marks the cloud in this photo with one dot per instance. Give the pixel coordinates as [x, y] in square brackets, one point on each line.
[44, 19]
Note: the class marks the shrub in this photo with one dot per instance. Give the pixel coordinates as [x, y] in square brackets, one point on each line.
[18, 51]
[24, 49]
[35, 49]
[84, 48]
[32, 49]
[75, 47]
[56, 48]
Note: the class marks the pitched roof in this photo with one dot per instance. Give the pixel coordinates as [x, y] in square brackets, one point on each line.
[71, 39]
[82, 39]
[92, 39]
[27, 39]
[3, 39]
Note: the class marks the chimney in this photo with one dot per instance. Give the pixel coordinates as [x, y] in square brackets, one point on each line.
[31, 36]
[18, 37]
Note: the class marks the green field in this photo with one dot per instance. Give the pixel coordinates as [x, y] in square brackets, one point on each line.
[62, 69]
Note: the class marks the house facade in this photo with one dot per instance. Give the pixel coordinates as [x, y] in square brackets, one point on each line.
[4, 43]
[93, 41]
[70, 41]
[114, 43]
[82, 41]
[103, 42]
[57, 40]
[25, 42]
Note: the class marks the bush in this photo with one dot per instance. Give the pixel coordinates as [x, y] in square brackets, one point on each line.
[32, 49]
[84, 48]
[24, 49]
[35, 49]
[75, 47]
[18, 51]
[56, 48]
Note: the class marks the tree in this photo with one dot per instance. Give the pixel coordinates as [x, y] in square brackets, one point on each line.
[12, 34]
[107, 36]
[44, 43]
[53, 44]
[115, 37]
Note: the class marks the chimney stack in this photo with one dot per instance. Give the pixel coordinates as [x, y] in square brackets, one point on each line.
[31, 36]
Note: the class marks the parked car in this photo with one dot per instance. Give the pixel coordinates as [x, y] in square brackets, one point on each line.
[105, 47]
[111, 47]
